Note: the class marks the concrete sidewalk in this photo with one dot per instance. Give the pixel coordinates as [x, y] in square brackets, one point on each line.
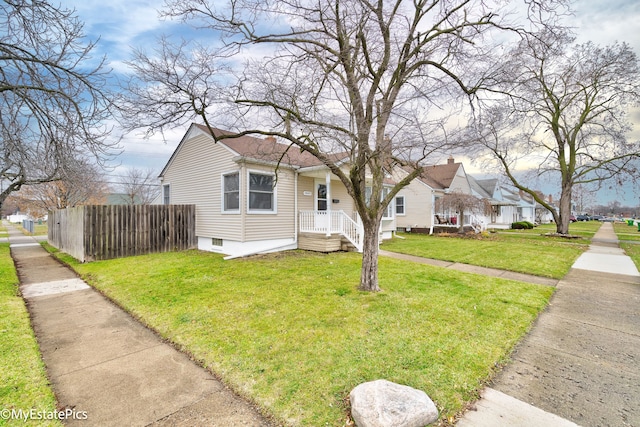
[102, 362]
[580, 363]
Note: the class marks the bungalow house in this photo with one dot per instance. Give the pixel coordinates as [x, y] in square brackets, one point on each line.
[524, 202]
[503, 207]
[255, 195]
[418, 205]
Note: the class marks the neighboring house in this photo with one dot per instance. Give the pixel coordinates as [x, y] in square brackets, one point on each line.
[418, 204]
[245, 206]
[504, 209]
[17, 218]
[525, 204]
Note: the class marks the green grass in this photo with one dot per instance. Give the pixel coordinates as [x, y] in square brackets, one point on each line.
[523, 251]
[633, 250]
[291, 332]
[626, 232]
[38, 229]
[585, 229]
[23, 382]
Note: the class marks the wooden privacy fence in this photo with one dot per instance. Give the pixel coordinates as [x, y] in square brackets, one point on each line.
[96, 232]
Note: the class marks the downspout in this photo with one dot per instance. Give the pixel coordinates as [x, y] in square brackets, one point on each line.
[433, 212]
[295, 207]
[244, 202]
[327, 179]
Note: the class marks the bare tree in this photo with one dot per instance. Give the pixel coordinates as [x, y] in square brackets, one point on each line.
[462, 203]
[353, 76]
[52, 95]
[141, 187]
[584, 197]
[565, 115]
[80, 182]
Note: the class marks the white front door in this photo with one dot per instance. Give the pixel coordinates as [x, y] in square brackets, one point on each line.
[322, 219]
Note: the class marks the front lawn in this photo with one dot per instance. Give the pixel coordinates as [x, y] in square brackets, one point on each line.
[291, 332]
[522, 251]
[23, 382]
[585, 229]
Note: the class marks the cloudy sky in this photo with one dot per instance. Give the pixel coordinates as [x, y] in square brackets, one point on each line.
[122, 25]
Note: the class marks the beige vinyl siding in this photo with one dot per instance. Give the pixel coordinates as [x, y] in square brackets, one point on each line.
[276, 225]
[339, 192]
[306, 202]
[195, 175]
[417, 204]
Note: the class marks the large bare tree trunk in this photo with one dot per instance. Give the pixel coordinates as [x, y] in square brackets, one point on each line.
[562, 226]
[369, 273]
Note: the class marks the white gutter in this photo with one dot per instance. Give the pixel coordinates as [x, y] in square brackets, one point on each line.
[433, 213]
[327, 181]
[295, 207]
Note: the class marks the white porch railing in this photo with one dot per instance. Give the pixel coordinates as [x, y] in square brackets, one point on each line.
[332, 222]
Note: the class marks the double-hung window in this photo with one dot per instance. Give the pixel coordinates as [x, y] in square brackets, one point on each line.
[388, 212]
[166, 194]
[399, 205]
[261, 192]
[231, 192]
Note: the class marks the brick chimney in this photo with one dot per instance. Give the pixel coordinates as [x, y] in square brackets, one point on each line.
[451, 160]
[550, 198]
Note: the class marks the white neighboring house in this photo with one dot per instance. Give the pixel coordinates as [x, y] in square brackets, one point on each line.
[17, 218]
[525, 204]
[504, 210]
[244, 206]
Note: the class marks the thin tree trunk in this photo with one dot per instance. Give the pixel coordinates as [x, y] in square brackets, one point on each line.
[369, 273]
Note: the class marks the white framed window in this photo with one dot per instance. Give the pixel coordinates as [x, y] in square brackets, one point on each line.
[261, 193]
[166, 194]
[400, 205]
[231, 192]
[388, 212]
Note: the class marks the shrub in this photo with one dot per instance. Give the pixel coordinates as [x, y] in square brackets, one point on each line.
[522, 225]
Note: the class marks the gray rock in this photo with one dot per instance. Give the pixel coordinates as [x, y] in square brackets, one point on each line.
[382, 403]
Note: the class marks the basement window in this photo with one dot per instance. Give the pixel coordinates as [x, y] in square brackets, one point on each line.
[216, 242]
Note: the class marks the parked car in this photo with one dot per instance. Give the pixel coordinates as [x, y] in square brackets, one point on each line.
[608, 219]
[597, 217]
[572, 218]
[583, 218]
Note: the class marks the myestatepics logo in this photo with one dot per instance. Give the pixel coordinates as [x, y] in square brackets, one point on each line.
[34, 414]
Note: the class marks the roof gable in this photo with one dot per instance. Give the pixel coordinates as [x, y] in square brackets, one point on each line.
[491, 187]
[256, 149]
[440, 177]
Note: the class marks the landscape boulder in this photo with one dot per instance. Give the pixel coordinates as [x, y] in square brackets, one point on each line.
[382, 403]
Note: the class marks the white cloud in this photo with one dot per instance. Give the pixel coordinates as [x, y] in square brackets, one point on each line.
[605, 22]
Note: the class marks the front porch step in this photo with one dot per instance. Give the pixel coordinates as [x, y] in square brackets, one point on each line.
[347, 246]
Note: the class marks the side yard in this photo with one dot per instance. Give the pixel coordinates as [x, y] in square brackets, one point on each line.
[23, 382]
[291, 332]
